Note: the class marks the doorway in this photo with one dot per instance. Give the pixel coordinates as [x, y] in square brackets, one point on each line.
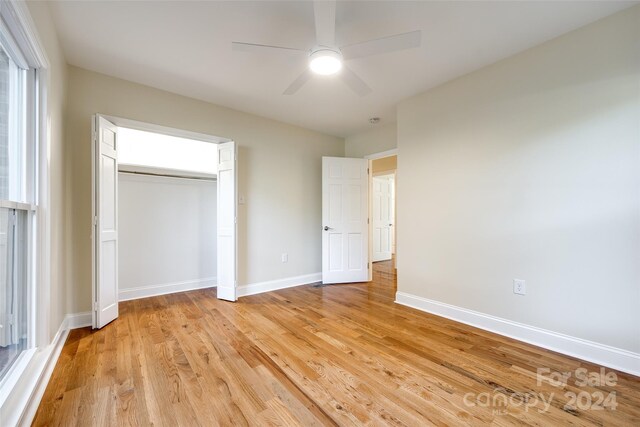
[383, 207]
[178, 193]
[166, 214]
[358, 217]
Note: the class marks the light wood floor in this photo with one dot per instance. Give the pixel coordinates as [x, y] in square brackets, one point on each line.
[311, 355]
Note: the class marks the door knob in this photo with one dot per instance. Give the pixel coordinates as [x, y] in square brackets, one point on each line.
[327, 228]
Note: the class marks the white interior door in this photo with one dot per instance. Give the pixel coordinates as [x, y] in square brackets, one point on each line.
[382, 218]
[345, 237]
[105, 221]
[227, 220]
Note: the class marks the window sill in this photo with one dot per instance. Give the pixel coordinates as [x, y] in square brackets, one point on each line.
[15, 373]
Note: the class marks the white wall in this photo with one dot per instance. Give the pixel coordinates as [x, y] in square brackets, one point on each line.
[530, 169]
[167, 235]
[279, 175]
[376, 140]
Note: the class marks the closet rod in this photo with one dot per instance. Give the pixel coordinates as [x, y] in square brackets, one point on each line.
[169, 175]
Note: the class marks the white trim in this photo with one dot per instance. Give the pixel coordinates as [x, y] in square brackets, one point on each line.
[14, 373]
[11, 46]
[37, 385]
[17, 17]
[78, 320]
[382, 154]
[390, 174]
[165, 288]
[94, 219]
[21, 405]
[274, 285]
[601, 354]
[17, 205]
[165, 130]
[43, 215]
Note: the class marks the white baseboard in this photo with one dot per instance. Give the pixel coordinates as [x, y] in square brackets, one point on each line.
[78, 320]
[601, 354]
[165, 288]
[51, 354]
[274, 285]
[20, 408]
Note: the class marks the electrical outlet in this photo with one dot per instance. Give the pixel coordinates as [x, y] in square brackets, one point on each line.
[285, 257]
[519, 287]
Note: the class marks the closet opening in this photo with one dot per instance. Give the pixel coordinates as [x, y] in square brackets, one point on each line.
[167, 208]
[164, 206]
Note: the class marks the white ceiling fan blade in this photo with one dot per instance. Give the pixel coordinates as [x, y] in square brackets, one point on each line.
[382, 45]
[354, 82]
[325, 16]
[298, 83]
[252, 47]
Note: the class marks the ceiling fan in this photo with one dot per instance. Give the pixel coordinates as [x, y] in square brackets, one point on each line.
[326, 58]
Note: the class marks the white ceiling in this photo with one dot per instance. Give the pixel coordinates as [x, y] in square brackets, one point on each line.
[185, 47]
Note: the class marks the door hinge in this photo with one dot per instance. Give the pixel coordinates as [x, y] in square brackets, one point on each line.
[367, 171]
[95, 306]
[367, 220]
[95, 221]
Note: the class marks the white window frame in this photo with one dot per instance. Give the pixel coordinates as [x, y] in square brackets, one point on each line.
[20, 40]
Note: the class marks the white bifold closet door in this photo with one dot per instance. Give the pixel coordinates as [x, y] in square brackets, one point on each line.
[105, 222]
[345, 212]
[227, 221]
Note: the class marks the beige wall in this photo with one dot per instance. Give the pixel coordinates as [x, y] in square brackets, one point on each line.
[279, 175]
[525, 169]
[385, 164]
[380, 138]
[529, 169]
[56, 99]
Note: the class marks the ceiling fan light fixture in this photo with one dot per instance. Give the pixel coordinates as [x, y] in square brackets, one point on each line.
[325, 62]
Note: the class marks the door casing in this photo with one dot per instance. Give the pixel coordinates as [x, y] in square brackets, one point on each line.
[133, 124]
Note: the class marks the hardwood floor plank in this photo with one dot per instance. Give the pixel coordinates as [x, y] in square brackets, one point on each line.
[312, 355]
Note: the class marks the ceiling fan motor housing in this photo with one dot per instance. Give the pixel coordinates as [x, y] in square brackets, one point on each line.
[325, 61]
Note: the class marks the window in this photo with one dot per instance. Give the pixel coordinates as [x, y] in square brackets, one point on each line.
[12, 146]
[17, 212]
[13, 286]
